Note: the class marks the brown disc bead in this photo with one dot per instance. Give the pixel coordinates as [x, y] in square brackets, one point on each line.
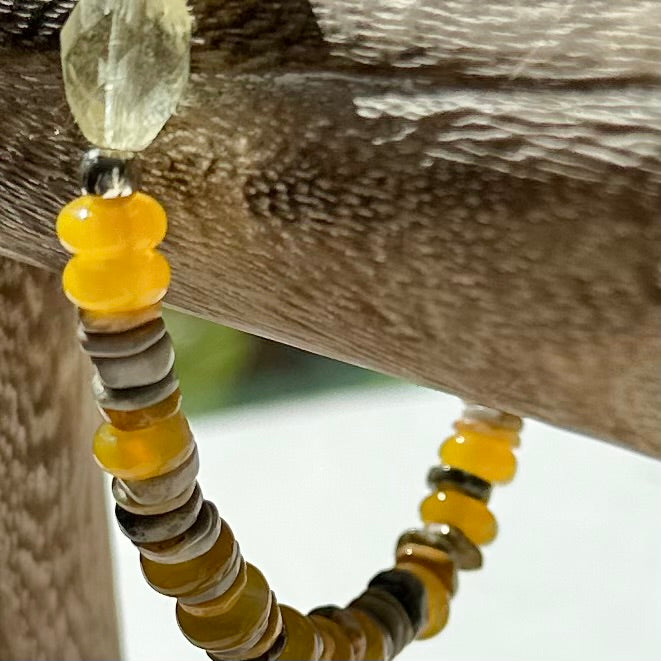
[303, 642]
[183, 578]
[342, 650]
[433, 559]
[379, 644]
[243, 625]
[349, 625]
[327, 641]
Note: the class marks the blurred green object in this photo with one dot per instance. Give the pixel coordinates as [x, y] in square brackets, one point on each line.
[220, 367]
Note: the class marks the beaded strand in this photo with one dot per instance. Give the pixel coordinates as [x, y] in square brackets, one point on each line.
[224, 605]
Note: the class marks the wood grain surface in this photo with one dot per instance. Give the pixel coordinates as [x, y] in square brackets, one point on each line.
[56, 590]
[462, 194]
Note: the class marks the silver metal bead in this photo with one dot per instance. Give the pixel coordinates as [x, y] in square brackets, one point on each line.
[158, 489]
[117, 322]
[124, 500]
[196, 541]
[158, 528]
[132, 399]
[109, 174]
[440, 477]
[141, 369]
[120, 345]
[448, 539]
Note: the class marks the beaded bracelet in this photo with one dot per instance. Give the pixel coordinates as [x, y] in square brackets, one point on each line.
[118, 280]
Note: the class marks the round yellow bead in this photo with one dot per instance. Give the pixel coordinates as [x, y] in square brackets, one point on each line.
[102, 228]
[143, 453]
[501, 433]
[485, 456]
[471, 516]
[131, 281]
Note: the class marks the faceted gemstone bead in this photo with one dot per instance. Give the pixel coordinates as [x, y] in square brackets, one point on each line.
[130, 281]
[437, 599]
[125, 65]
[143, 453]
[349, 625]
[455, 508]
[485, 456]
[132, 420]
[437, 561]
[102, 228]
[185, 577]
[245, 621]
[303, 642]
[341, 647]
[379, 643]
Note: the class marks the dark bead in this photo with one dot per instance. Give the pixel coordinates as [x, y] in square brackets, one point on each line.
[109, 174]
[389, 613]
[446, 538]
[349, 625]
[407, 589]
[159, 527]
[441, 477]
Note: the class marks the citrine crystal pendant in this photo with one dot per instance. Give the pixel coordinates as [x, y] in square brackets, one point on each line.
[125, 65]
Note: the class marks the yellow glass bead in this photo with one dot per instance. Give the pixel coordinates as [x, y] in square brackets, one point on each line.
[132, 420]
[102, 228]
[303, 641]
[143, 453]
[131, 281]
[485, 456]
[379, 645]
[221, 604]
[471, 516]
[341, 646]
[463, 427]
[437, 561]
[236, 627]
[180, 579]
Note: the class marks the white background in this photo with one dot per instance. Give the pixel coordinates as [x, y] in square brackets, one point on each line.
[317, 492]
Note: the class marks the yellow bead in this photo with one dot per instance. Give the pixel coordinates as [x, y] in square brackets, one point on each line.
[238, 626]
[265, 643]
[437, 561]
[303, 641]
[143, 453]
[102, 228]
[131, 281]
[221, 604]
[438, 607]
[379, 644]
[132, 420]
[184, 578]
[501, 433]
[340, 647]
[485, 456]
[471, 516]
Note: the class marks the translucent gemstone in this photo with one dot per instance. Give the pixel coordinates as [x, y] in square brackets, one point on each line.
[303, 641]
[488, 457]
[125, 64]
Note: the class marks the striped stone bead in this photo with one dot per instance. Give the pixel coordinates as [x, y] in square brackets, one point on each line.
[133, 399]
[379, 644]
[448, 539]
[126, 343]
[408, 589]
[124, 500]
[349, 625]
[303, 643]
[444, 476]
[337, 646]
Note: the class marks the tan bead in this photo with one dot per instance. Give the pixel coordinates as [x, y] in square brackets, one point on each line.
[433, 559]
[379, 644]
[221, 604]
[327, 641]
[303, 641]
[342, 650]
[349, 625]
[244, 624]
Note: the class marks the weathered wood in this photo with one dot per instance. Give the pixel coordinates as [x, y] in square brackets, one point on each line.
[55, 575]
[464, 194]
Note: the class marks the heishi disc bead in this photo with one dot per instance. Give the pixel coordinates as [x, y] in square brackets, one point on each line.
[437, 601]
[246, 621]
[485, 456]
[143, 453]
[342, 650]
[408, 589]
[146, 417]
[133, 399]
[349, 625]
[124, 500]
[303, 642]
[126, 343]
[102, 228]
[448, 539]
[437, 561]
[196, 541]
[117, 322]
[183, 578]
[160, 527]
[157, 489]
[379, 645]
[471, 516]
[131, 281]
[444, 476]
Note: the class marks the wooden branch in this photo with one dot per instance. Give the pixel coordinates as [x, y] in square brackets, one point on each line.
[55, 576]
[462, 194]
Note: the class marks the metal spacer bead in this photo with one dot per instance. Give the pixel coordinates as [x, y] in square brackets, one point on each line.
[109, 174]
[440, 477]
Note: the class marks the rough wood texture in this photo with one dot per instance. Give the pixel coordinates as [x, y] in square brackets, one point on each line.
[464, 194]
[55, 576]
